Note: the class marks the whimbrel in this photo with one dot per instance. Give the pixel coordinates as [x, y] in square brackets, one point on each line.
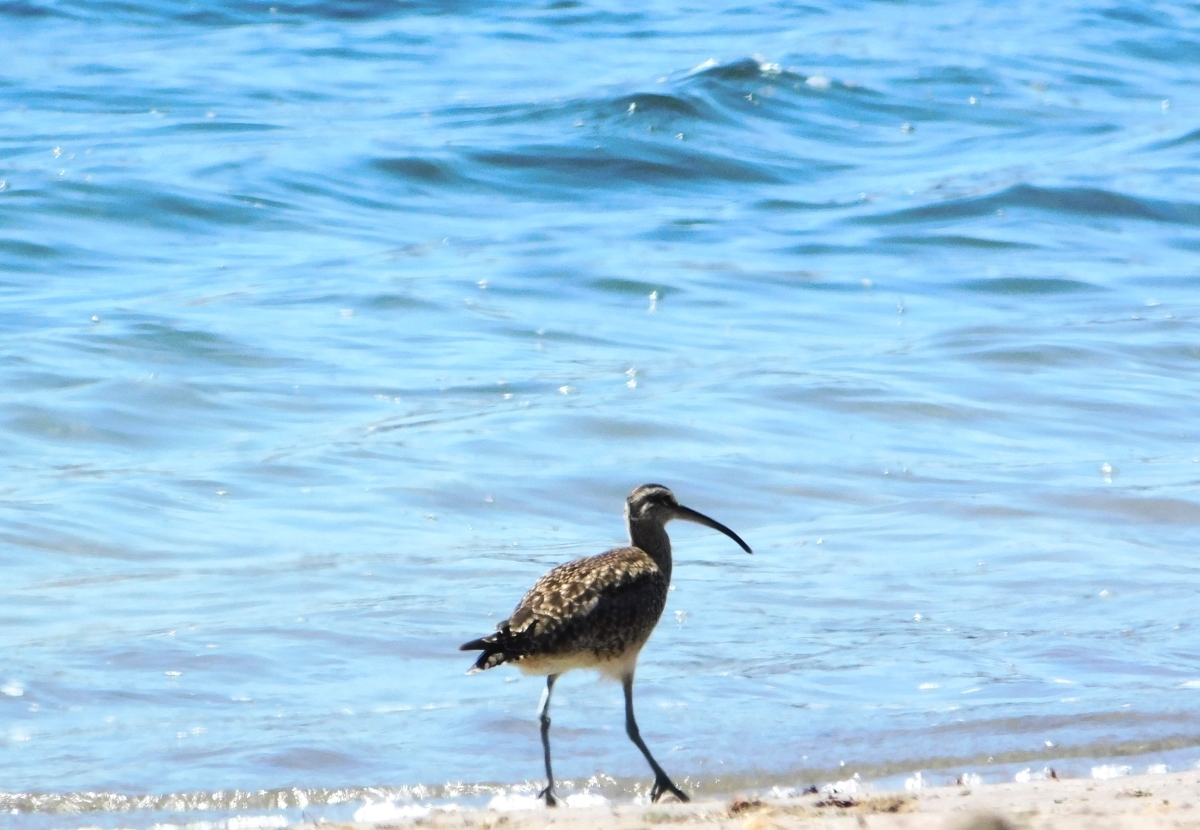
[597, 613]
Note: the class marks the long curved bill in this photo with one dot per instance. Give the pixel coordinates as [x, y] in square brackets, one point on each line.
[691, 515]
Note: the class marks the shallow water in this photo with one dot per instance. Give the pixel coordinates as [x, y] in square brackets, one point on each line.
[328, 327]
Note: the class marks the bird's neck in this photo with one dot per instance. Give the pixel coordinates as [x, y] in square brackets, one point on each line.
[652, 538]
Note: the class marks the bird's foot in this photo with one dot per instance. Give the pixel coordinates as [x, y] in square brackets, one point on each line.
[663, 785]
[550, 796]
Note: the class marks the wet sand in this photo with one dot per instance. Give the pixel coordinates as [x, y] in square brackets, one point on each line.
[1141, 802]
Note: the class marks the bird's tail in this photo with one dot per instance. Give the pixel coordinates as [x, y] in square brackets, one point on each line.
[493, 652]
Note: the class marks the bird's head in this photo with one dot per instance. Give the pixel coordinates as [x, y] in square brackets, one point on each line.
[655, 504]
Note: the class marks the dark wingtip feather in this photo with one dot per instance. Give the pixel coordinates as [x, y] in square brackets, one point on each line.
[489, 660]
[492, 654]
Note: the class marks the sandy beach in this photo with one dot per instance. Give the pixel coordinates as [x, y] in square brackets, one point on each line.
[1140, 802]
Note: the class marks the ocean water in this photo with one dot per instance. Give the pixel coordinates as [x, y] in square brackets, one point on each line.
[327, 327]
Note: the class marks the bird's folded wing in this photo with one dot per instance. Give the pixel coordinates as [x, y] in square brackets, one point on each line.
[602, 592]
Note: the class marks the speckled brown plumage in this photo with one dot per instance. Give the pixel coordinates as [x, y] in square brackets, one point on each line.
[602, 606]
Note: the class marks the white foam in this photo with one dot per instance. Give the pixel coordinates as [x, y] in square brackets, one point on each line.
[1157, 769]
[13, 689]
[914, 783]
[253, 822]
[818, 82]
[1104, 772]
[970, 779]
[850, 786]
[512, 801]
[1026, 775]
[1190, 684]
[585, 800]
[388, 810]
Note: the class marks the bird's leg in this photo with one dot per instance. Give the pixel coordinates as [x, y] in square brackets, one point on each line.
[661, 782]
[544, 718]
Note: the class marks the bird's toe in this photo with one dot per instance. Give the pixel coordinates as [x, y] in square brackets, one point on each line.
[663, 787]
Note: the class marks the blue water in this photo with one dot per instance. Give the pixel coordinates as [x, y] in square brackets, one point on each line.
[329, 326]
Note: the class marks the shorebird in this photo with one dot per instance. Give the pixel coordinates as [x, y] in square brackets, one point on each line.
[597, 613]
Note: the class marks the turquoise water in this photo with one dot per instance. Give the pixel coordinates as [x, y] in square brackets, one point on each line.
[328, 327]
